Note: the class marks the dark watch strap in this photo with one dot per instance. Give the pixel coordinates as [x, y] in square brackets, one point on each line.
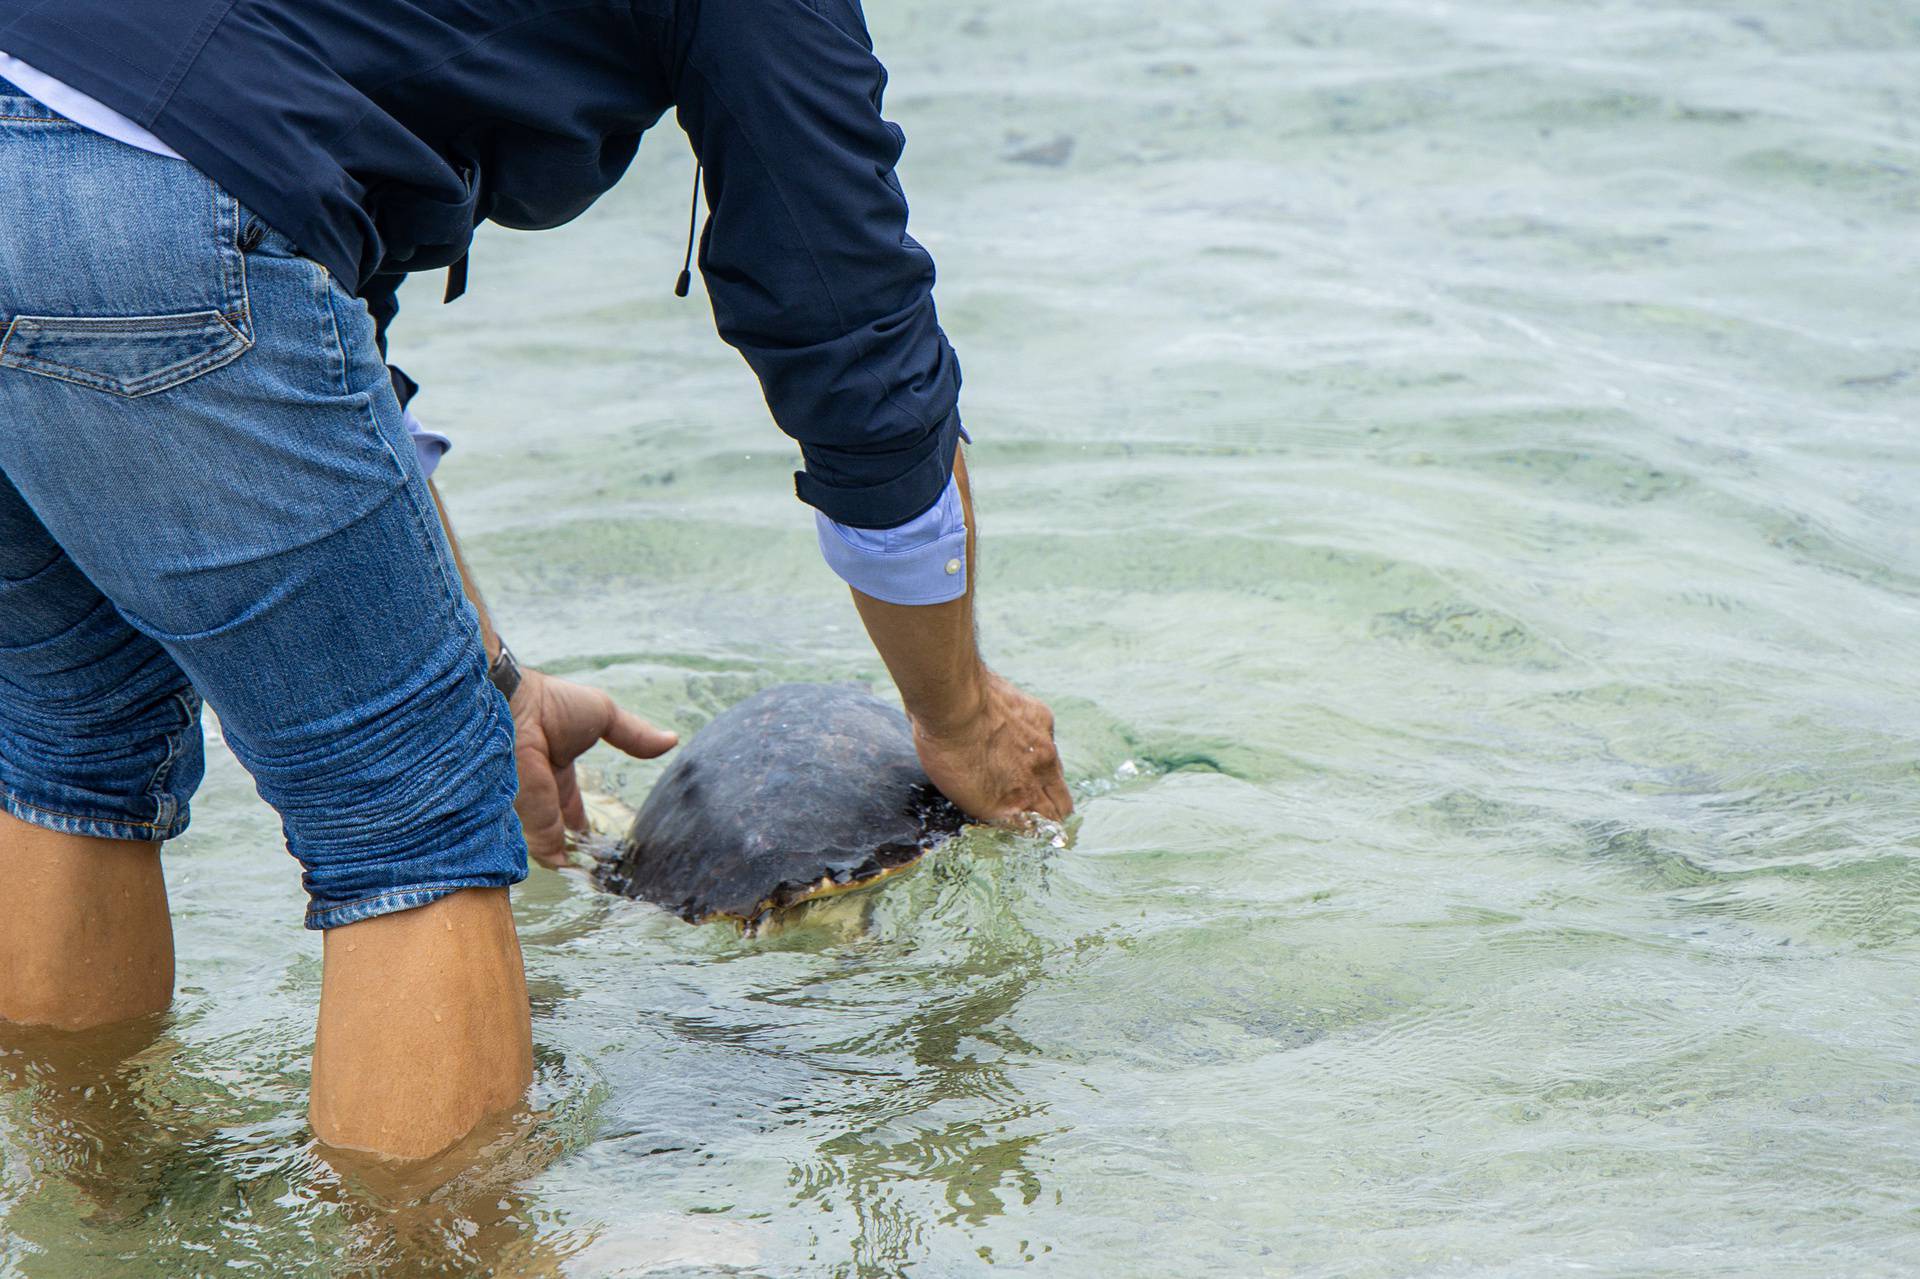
[505, 673]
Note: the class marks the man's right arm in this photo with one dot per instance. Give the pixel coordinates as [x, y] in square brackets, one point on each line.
[987, 745]
[815, 280]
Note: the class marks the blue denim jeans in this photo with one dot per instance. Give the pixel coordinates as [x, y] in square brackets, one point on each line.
[207, 491]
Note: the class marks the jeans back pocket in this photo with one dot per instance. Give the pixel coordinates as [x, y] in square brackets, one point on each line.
[120, 270]
[130, 355]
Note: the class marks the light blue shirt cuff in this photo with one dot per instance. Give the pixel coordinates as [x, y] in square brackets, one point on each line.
[429, 446]
[924, 561]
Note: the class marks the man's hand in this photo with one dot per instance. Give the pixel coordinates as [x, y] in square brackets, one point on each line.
[999, 762]
[554, 723]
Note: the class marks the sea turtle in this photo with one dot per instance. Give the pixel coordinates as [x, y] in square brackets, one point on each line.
[801, 791]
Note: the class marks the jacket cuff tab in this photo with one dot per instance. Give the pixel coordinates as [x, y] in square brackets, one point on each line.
[889, 503]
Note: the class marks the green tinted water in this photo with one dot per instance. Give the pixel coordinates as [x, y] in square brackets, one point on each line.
[1451, 466]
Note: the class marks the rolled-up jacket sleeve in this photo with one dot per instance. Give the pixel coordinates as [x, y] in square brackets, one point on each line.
[923, 561]
[806, 255]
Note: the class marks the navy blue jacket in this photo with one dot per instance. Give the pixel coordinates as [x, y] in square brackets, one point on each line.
[376, 134]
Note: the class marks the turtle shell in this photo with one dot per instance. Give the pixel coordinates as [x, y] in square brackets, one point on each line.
[799, 791]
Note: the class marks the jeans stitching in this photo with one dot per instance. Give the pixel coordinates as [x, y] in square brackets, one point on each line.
[176, 322]
[424, 529]
[234, 295]
[59, 558]
[51, 640]
[125, 823]
[393, 896]
[233, 259]
[221, 239]
[166, 805]
[133, 388]
[337, 349]
[439, 553]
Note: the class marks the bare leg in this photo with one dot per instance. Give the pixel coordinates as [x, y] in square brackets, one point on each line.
[87, 940]
[424, 1027]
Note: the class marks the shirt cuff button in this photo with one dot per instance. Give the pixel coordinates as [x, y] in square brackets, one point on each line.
[953, 566]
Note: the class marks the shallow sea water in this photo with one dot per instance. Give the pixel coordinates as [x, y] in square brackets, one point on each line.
[1452, 468]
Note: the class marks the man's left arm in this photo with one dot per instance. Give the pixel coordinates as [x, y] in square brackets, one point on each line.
[555, 722]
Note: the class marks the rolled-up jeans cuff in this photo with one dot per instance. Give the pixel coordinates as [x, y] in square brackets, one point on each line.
[337, 914]
[65, 823]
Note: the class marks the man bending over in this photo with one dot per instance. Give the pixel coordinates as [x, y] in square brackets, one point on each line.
[209, 487]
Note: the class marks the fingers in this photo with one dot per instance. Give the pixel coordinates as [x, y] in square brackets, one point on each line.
[1059, 799]
[573, 808]
[572, 717]
[557, 723]
[1049, 796]
[1005, 768]
[628, 732]
[1053, 799]
[538, 807]
[1019, 821]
